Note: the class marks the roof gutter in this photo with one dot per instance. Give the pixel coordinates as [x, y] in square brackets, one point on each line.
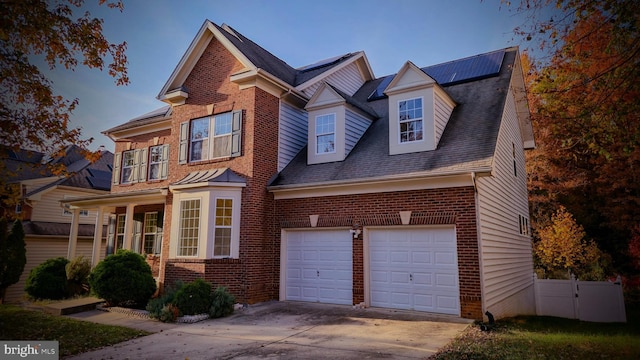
[413, 181]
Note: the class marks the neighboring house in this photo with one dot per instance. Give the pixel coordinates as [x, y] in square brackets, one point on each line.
[45, 223]
[327, 184]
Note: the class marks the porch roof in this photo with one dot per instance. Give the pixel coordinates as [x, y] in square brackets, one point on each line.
[143, 197]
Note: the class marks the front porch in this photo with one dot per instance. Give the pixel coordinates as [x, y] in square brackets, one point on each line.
[134, 222]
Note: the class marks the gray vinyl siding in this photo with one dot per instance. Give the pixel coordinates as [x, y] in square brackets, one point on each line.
[292, 133]
[347, 79]
[356, 125]
[48, 208]
[40, 249]
[507, 264]
[442, 112]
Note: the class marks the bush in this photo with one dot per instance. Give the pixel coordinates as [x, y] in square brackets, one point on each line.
[194, 298]
[48, 280]
[123, 279]
[156, 306]
[222, 303]
[78, 271]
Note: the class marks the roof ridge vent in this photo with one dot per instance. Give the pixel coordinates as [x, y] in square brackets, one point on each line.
[228, 29]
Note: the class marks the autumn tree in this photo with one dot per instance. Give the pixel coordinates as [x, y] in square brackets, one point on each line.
[51, 33]
[584, 91]
[563, 248]
[13, 255]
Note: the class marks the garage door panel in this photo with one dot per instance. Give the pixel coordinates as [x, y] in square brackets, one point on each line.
[319, 266]
[414, 269]
[445, 258]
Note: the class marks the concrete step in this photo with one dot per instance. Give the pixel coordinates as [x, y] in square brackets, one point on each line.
[73, 306]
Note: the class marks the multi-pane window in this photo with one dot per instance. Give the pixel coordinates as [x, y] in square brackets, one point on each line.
[189, 227]
[150, 233]
[120, 231]
[410, 118]
[223, 225]
[325, 134]
[128, 160]
[158, 162]
[82, 212]
[206, 144]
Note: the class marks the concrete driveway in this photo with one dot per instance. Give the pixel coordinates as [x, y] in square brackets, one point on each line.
[286, 330]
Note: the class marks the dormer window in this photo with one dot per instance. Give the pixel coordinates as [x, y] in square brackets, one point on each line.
[326, 134]
[410, 118]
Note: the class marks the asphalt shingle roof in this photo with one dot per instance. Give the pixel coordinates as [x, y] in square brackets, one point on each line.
[467, 144]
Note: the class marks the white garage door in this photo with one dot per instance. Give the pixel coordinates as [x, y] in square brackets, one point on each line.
[414, 269]
[319, 266]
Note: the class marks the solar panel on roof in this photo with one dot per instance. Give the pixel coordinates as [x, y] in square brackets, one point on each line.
[100, 173]
[99, 183]
[474, 67]
[324, 62]
[379, 92]
[456, 71]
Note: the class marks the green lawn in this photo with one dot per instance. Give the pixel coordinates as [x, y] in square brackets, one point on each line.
[540, 337]
[74, 336]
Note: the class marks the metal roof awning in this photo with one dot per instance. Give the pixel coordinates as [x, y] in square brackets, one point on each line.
[211, 177]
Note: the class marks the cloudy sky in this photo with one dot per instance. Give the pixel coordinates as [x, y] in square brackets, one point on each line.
[299, 32]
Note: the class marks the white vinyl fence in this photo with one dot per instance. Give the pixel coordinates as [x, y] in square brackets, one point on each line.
[597, 301]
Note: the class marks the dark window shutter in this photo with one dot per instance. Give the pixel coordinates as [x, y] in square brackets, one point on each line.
[117, 162]
[236, 134]
[184, 143]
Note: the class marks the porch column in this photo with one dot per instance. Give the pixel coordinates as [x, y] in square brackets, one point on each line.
[128, 227]
[73, 234]
[97, 237]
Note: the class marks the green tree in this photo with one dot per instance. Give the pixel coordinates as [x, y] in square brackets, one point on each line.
[13, 255]
[49, 32]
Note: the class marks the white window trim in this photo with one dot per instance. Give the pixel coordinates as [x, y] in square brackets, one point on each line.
[399, 122]
[145, 233]
[116, 233]
[318, 134]
[525, 228]
[207, 196]
[65, 212]
[211, 137]
[132, 166]
[200, 226]
[163, 161]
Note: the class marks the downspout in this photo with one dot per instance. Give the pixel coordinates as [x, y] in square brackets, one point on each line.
[479, 237]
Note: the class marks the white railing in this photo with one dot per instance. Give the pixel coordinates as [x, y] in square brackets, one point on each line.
[597, 301]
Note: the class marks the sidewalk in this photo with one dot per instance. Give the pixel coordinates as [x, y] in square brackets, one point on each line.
[118, 319]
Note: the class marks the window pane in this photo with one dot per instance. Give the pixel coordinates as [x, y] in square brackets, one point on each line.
[223, 124]
[223, 223]
[222, 146]
[188, 233]
[410, 120]
[199, 140]
[326, 144]
[127, 167]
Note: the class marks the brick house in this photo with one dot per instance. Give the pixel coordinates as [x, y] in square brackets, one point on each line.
[326, 184]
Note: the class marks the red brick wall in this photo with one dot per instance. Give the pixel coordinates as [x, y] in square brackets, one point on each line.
[460, 201]
[250, 277]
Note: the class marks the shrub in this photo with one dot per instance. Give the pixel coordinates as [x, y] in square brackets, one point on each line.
[123, 279]
[169, 313]
[156, 306]
[222, 303]
[194, 298]
[78, 271]
[48, 280]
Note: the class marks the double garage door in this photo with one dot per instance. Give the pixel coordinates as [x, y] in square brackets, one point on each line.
[408, 268]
